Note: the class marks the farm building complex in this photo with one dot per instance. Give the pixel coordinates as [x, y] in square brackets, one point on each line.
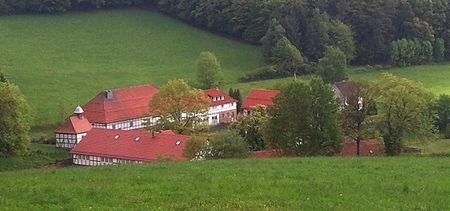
[108, 129]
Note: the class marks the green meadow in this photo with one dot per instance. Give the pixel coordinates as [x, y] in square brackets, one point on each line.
[321, 183]
[60, 61]
[435, 78]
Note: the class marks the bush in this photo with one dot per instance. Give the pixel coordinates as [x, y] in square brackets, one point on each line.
[195, 149]
[263, 73]
[228, 144]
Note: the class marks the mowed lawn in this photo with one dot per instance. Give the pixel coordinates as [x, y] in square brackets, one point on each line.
[435, 78]
[402, 183]
[60, 61]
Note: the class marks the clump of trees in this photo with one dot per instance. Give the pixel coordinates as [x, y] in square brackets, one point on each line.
[179, 107]
[442, 108]
[209, 71]
[251, 127]
[304, 119]
[412, 52]
[236, 94]
[15, 120]
[404, 109]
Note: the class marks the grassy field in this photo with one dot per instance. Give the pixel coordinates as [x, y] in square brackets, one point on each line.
[63, 60]
[404, 183]
[436, 77]
[39, 155]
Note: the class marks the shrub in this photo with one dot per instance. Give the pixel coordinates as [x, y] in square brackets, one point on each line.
[263, 73]
[195, 149]
[447, 131]
[228, 144]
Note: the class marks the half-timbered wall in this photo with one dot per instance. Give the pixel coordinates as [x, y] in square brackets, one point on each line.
[64, 140]
[131, 124]
[90, 160]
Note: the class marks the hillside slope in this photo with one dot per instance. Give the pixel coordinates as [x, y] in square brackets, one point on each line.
[403, 183]
[61, 61]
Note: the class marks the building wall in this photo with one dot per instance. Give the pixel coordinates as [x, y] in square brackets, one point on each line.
[90, 160]
[222, 114]
[64, 140]
[131, 124]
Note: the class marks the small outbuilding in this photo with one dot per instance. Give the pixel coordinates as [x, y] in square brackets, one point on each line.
[72, 130]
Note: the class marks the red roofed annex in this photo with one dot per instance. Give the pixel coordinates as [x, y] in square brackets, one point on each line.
[72, 130]
[256, 97]
[108, 146]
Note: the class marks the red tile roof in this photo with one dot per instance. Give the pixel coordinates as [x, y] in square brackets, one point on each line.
[101, 142]
[126, 103]
[218, 93]
[259, 97]
[75, 125]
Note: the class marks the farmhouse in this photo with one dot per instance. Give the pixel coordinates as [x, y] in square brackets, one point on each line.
[223, 108]
[112, 146]
[123, 108]
[344, 90]
[256, 97]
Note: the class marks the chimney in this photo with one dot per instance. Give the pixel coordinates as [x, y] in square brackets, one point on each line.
[79, 112]
[109, 94]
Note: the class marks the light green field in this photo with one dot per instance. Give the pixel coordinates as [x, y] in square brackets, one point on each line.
[435, 78]
[403, 183]
[62, 61]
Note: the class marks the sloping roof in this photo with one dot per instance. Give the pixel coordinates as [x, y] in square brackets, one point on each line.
[218, 93]
[259, 97]
[102, 142]
[126, 103]
[346, 88]
[74, 125]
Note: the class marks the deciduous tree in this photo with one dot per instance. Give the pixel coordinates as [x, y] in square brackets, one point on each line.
[209, 72]
[304, 119]
[287, 58]
[179, 107]
[333, 66]
[404, 108]
[356, 123]
[250, 127]
[14, 120]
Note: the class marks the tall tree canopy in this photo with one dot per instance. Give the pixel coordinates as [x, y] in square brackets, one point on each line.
[179, 107]
[304, 119]
[333, 66]
[404, 109]
[209, 72]
[14, 120]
